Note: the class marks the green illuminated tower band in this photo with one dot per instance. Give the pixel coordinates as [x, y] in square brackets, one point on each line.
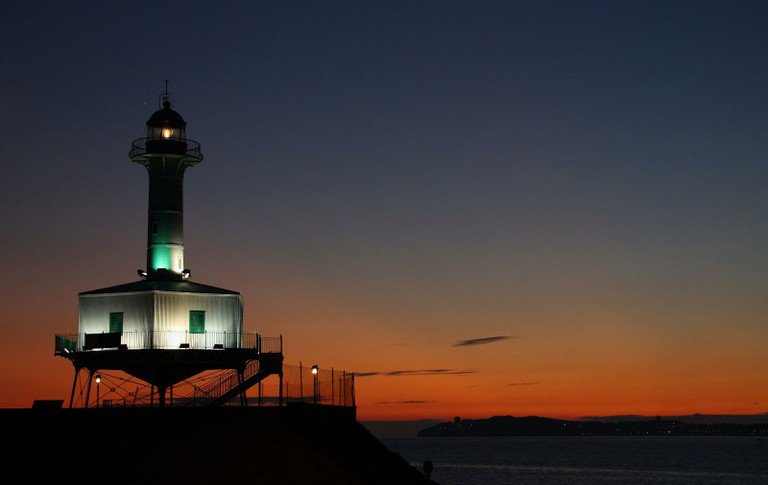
[166, 153]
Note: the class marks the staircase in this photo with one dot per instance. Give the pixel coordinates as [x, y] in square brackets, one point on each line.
[220, 392]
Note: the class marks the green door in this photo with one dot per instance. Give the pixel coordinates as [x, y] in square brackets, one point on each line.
[196, 321]
[116, 322]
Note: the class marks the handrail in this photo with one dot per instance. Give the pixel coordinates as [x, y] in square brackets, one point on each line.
[139, 146]
[151, 339]
[216, 389]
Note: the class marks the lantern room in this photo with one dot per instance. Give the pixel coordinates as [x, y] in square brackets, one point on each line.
[166, 131]
[166, 124]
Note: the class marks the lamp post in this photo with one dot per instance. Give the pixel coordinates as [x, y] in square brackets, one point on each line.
[98, 387]
[314, 382]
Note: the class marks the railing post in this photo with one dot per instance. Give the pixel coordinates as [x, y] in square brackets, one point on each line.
[301, 383]
[332, 389]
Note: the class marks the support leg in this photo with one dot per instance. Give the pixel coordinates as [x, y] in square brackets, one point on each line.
[74, 385]
[280, 394]
[241, 379]
[88, 392]
[161, 396]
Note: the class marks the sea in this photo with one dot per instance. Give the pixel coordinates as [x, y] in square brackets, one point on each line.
[589, 459]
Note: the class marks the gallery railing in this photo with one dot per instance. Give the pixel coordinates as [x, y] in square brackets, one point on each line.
[78, 342]
[180, 146]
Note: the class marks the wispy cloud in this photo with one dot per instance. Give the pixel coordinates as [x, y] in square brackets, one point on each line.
[482, 341]
[523, 384]
[417, 372]
[430, 372]
[404, 402]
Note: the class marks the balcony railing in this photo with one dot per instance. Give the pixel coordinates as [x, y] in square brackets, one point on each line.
[179, 146]
[84, 342]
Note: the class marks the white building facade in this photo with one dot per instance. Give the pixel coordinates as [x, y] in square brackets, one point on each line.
[161, 314]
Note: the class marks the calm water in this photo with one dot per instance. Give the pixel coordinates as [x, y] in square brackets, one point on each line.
[582, 460]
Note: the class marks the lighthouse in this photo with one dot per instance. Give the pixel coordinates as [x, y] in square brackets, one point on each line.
[165, 328]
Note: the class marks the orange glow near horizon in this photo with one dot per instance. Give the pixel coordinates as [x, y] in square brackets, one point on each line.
[591, 362]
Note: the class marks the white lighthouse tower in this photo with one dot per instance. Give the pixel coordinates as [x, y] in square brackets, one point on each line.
[165, 328]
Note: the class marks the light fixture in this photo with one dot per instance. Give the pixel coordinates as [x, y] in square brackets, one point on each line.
[141, 273]
[167, 132]
[315, 385]
[98, 389]
[185, 274]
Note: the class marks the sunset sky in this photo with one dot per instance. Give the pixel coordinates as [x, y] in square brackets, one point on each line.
[588, 179]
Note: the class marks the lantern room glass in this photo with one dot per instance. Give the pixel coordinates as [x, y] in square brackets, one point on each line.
[166, 132]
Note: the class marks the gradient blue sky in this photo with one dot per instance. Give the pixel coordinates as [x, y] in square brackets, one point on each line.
[587, 176]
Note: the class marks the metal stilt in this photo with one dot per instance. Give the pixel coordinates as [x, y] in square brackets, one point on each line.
[88, 392]
[74, 385]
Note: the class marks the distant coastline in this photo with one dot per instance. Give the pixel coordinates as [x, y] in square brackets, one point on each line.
[538, 426]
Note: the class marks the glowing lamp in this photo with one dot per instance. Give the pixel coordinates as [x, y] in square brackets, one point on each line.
[314, 369]
[98, 379]
[167, 132]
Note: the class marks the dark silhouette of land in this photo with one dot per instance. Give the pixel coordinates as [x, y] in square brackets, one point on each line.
[398, 429]
[537, 426]
[293, 444]
[688, 418]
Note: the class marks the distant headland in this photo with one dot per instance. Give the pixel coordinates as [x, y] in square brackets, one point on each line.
[538, 426]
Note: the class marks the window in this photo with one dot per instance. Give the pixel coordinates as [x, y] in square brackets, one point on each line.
[116, 322]
[196, 321]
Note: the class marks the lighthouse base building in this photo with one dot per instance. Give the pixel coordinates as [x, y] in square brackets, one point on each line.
[164, 315]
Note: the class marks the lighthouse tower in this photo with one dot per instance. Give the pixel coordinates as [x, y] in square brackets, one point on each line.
[165, 328]
[166, 153]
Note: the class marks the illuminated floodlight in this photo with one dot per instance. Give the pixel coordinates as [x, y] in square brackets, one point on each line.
[98, 379]
[314, 369]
